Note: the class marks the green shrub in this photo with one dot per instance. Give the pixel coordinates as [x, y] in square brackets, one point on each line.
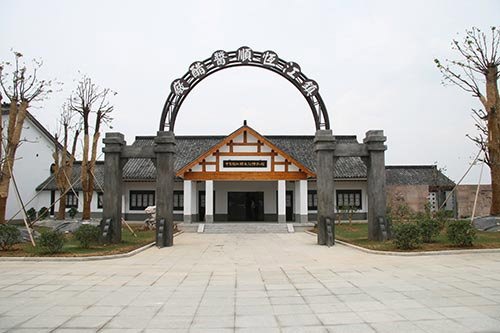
[9, 235]
[31, 214]
[406, 236]
[43, 213]
[461, 233]
[429, 228]
[86, 235]
[72, 212]
[441, 216]
[51, 241]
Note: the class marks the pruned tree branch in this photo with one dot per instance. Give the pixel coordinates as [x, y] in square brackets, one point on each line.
[89, 100]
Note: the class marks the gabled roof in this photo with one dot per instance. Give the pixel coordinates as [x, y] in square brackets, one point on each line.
[233, 135]
[189, 147]
[416, 175]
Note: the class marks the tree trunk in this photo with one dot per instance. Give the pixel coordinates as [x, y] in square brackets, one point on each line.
[85, 159]
[86, 207]
[90, 178]
[495, 187]
[61, 213]
[17, 114]
[3, 208]
[492, 107]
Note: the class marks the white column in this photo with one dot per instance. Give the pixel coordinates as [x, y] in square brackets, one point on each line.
[281, 201]
[303, 211]
[296, 201]
[194, 202]
[188, 185]
[209, 201]
[124, 207]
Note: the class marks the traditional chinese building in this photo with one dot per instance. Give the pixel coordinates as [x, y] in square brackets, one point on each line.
[246, 176]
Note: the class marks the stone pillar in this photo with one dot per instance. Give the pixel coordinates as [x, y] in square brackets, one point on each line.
[165, 154]
[303, 211]
[209, 201]
[188, 185]
[281, 201]
[374, 141]
[324, 146]
[112, 200]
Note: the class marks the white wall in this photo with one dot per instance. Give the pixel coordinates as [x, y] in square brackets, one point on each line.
[31, 168]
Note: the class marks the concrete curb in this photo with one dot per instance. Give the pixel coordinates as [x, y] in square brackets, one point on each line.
[413, 254]
[82, 259]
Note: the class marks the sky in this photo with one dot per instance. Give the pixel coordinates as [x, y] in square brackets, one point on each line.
[373, 61]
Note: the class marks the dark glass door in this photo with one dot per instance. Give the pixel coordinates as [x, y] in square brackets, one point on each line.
[245, 206]
[201, 206]
[289, 205]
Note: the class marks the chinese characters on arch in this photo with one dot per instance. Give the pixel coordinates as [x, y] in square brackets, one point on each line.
[244, 56]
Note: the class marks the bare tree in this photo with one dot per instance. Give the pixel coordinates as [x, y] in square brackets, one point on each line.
[63, 159]
[21, 87]
[90, 101]
[478, 66]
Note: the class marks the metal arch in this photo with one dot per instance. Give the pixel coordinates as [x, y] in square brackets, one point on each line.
[174, 100]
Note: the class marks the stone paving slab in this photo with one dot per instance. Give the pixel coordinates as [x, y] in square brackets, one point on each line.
[253, 283]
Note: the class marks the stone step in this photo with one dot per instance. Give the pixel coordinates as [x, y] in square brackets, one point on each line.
[246, 228]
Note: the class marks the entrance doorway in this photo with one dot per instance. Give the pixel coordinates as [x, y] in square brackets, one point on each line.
[289, 216]
[245, 206]
[201, 205]
[289, 206]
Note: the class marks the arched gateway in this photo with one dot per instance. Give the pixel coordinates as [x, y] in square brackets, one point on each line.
[162, 153]
[244, 56]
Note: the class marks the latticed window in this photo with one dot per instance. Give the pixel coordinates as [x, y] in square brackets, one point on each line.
[71, 200]
[349, 198]
[178, 200]
[312, 200]
[140, 200]
[100, 197]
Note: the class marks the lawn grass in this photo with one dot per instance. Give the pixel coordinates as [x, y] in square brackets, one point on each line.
[357, 234]
[72, 247]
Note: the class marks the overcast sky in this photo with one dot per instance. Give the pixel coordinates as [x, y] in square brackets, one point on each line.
[373, 61]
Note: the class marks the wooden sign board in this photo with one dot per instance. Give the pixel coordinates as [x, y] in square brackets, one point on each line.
[245, 164]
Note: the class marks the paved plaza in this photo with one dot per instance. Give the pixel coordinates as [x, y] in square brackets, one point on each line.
[253, 283]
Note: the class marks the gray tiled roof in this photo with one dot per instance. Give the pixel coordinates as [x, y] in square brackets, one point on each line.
[188, 148]
[301, 148]
[416, 175]
[50, 182]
